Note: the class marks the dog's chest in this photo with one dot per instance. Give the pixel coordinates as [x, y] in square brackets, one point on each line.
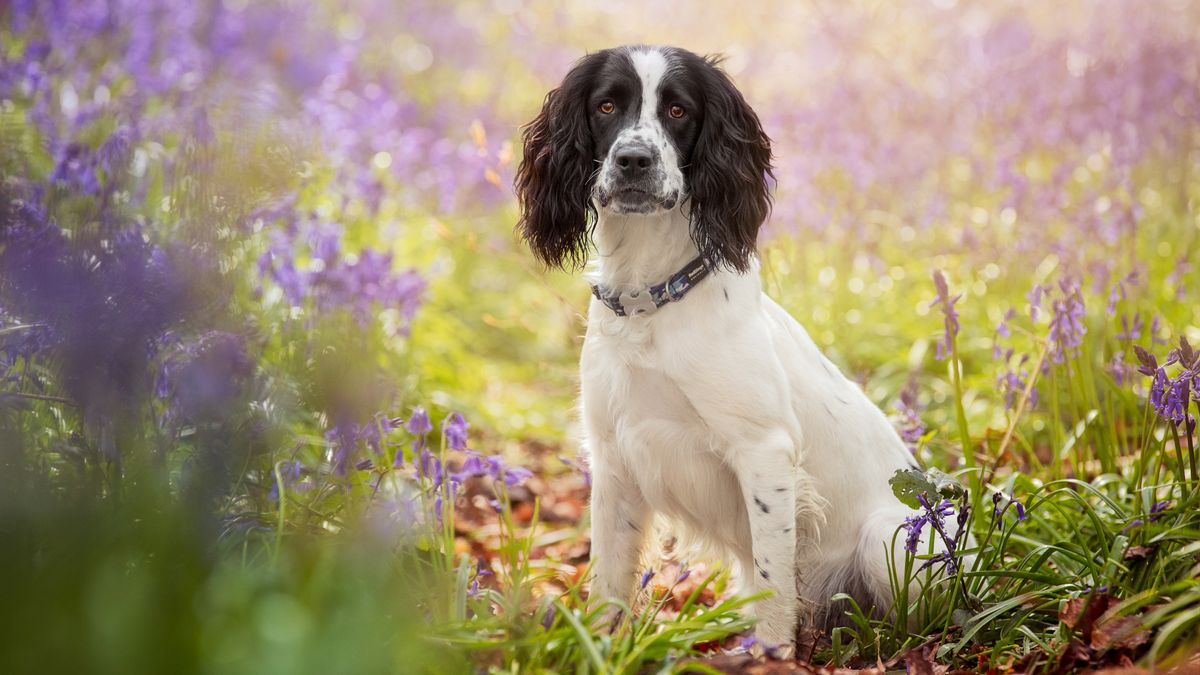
[669, 448]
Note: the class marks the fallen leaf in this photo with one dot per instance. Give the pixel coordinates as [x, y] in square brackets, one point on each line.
[920, 662]
[1137, 552]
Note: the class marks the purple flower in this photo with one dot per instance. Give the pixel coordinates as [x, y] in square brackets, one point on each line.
[1117, 293]
[203, 378]
[646, 577]
[913, 526]
[361, 283]
[455, 430]
[548, 619]
[429, 466]
[748, 642]
[1012, 383]
[1066, 322]
[1130, 333]
[683, 575]
[418, 423]
[1176, 402]
[343, 437]
[477, 465]
[1002, 502]
[949, 314]
[291, 471]
[578, 465]
[935, 517]
[1002, 330]
[1034, 296]
[1155, 325]
[912, 429]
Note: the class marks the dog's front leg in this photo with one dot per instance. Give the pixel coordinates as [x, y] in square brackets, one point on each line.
[620, 518]
[766, 470]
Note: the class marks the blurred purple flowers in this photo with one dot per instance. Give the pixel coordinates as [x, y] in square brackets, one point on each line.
[477, 465]
[455, 430]
[1066, 321]
[419, 426]
[910, 425]
[362, 283]
[203, 378]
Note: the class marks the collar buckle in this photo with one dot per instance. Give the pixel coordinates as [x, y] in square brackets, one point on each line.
[637, 302]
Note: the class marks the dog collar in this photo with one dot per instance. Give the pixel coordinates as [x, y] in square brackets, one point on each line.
[647, 301]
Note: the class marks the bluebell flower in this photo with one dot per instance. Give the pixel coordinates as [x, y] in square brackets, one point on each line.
[950, 325]
[455, 429]
[1128, 332]
[580, 466]
[418, 422]
[291, 472]
[935, 516]
[1002, 502]
[911, 427]
[646, 577]
[1034, 296]
[1066, 323]
[476, 464]
[419, 425]
[913, 526]
[1176, 402]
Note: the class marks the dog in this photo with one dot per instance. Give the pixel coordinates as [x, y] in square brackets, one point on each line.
[702, 400]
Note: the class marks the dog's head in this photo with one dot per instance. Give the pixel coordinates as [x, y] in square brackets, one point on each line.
[645, 130]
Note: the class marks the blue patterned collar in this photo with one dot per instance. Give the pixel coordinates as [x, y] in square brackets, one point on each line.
[643, 302]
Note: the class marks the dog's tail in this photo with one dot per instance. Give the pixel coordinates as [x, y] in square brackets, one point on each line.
[874, 574]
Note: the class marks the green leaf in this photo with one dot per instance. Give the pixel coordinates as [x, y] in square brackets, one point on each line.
[908, 484]
[944, 484]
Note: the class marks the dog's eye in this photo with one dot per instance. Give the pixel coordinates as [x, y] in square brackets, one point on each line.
[607, 107]
[677, 111]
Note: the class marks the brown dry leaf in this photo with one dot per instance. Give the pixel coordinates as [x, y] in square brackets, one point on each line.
[1080, 614]
[745, 664]
[920, 662]
[1137, 552]
[1118, 632]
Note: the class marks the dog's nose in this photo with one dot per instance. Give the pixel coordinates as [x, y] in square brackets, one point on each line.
[634, 161]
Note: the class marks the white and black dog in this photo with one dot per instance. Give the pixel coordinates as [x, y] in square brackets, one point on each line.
[702, 399]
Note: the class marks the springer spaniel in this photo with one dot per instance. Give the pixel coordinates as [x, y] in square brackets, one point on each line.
[702, 399]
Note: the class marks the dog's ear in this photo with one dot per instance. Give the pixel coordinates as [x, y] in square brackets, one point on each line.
[728, 173]
[555, 180]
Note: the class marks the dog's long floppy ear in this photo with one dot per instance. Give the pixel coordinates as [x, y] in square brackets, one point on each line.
[728, 173]
[554, 182]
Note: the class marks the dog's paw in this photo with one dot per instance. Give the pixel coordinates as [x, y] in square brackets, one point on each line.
[776, 642]
[608, 618]
[779, 652]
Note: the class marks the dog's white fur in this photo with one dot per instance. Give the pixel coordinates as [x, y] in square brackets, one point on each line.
[720, 412]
